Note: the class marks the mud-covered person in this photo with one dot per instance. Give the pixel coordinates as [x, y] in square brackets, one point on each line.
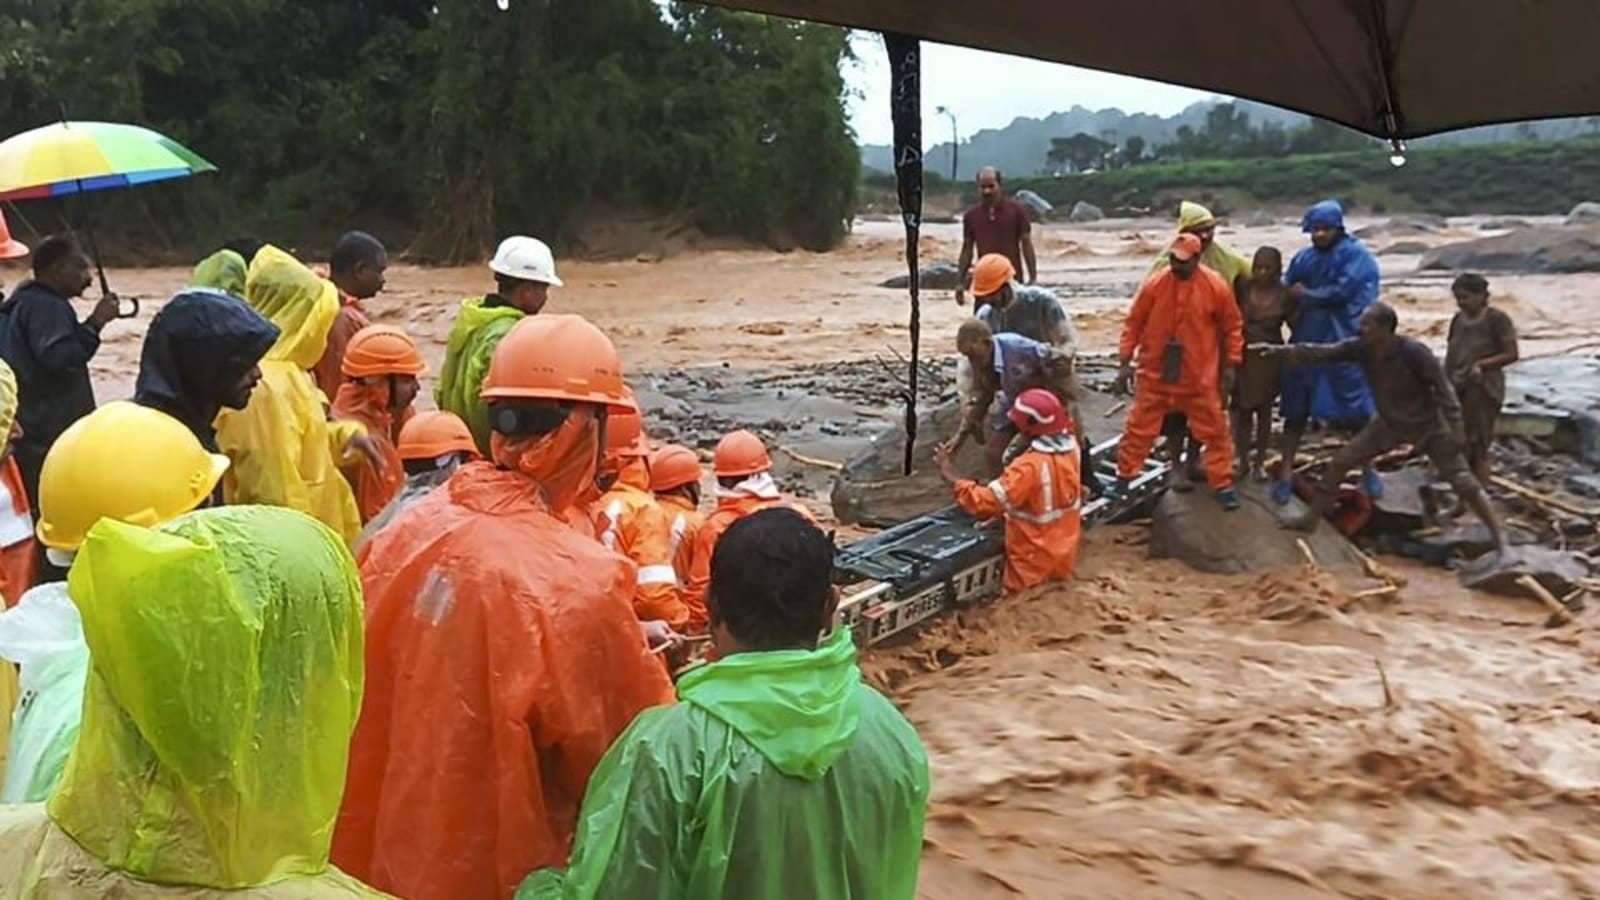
[1482, 342]
[1265, 306]
[1415, 405]
[1003, 366]
[998, 224]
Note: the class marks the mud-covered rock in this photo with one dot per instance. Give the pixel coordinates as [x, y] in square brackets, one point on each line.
[1194, 529]
[1404, 248]
[1559, 572]
[1259, 218]
[1550, 250]
[872, 489]
[1585, 213]
[1403, 225]
[940, 276]
[1038, 207]
[1084, 211]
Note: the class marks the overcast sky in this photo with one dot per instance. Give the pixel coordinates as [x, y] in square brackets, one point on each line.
[988, 90]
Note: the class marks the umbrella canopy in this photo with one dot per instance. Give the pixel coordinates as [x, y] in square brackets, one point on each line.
[1395, 69]
[69, 157]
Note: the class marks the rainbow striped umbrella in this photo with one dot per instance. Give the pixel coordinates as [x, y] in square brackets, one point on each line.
[74, 157]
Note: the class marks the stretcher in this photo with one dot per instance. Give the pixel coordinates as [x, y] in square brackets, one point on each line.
[904, 576]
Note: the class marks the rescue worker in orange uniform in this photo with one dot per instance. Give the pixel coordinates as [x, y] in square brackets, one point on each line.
[356, 268]
[744, 485]
[432, 446]
[675, 480]
[1038, 493]
[380, 366]
[503, 655]
[630, 522]
[17, 551]
[1173, 330]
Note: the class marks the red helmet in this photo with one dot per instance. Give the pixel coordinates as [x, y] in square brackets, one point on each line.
[1038, 412]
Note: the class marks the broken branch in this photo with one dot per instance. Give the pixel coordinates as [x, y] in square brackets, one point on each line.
[1559, 615]
[1546, 500]
[812, 460]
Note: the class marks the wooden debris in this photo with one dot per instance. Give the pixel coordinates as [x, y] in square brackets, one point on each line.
[812, 460]
[1375, 569]
[1545, 500]
[1559, 615]
[1117, 407]
[1383, 591]
[1305, 550]
[1383, 678]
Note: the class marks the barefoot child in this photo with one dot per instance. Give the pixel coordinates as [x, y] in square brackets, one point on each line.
[1265, 307]
[1483, 341]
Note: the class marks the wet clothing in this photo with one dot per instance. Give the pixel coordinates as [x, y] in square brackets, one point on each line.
[997, 229]
[49, 350]
[752, 496]
[1340, 283]
[351, 319]
[1177, 333]
[1481, 396]
[1414, 399]
[1232, 265]
[223, 271]
[194, 786]
[416, 487]
[1260, 377]
[1034, 312]
[630, 522]
[1039, 496]
[284, 450]
[685, 521]
[368, 404]
[503, 659]
[42, 634]
[777, 775]
[1018, 363]
[477, 331]
[199, 345]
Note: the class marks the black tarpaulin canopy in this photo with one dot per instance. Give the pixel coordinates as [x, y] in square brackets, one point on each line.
[1395, 69]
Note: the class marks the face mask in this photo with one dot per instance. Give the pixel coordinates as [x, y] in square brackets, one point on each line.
[563, 462]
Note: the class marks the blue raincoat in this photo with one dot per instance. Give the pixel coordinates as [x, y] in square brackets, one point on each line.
[1340, 283]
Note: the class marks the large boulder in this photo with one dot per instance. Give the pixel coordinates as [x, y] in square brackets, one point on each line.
[871, 489]
[1403, 225]
[1259, 218]
[1549, 250]
[1038, 207]
[1404, 248]
[1585, 213]
[940, 276]
[1195, 530]
[1084, 211]
[1557, 401]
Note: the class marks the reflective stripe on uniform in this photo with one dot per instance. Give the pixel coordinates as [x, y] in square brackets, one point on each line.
[651, 575]
[1000, 495]
[609, 536]
[1047, 493]
[680, 527]
[15, 527]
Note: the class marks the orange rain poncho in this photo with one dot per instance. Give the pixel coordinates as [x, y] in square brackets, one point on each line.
[368, 404]
[631, 522]
[684, 524]
[284, 450]
[1198, 313]
[17, 553]
[751, 496]
[503, 658]
[1039, 494]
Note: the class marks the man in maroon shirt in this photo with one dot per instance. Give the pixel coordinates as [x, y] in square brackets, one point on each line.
[998, 224]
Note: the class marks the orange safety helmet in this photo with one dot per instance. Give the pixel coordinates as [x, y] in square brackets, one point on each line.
[556, 357]
[10, 248]
[625, 430]
[740, 453]
[674, 466]
[1038, 412]
[993, 272]
[381, 350]
[432, 434]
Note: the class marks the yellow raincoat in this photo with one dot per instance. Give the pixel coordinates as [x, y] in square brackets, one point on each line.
[285, 452]
[225, 682]
[1219, 257]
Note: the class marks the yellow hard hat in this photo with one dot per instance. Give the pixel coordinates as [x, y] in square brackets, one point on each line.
[125, 462]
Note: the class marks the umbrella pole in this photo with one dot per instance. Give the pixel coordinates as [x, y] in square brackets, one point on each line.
[94, 253]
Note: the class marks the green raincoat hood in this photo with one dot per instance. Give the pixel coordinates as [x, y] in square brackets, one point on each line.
[800, 708]
[225, 681]
[224, 271]
[473, 338]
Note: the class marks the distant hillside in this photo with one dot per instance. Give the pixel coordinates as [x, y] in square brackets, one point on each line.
[1020, 148]
[1530, 178]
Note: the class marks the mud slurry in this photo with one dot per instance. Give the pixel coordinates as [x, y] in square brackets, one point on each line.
[1151, 732]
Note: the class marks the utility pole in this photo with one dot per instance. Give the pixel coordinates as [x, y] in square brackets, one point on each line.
[955, 138]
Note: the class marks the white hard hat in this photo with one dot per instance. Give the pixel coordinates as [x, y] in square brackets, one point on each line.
[526, 259]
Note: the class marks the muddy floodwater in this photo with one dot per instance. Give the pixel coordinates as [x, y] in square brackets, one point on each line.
[1149, 732]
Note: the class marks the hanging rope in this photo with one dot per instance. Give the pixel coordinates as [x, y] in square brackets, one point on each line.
[905, 107]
